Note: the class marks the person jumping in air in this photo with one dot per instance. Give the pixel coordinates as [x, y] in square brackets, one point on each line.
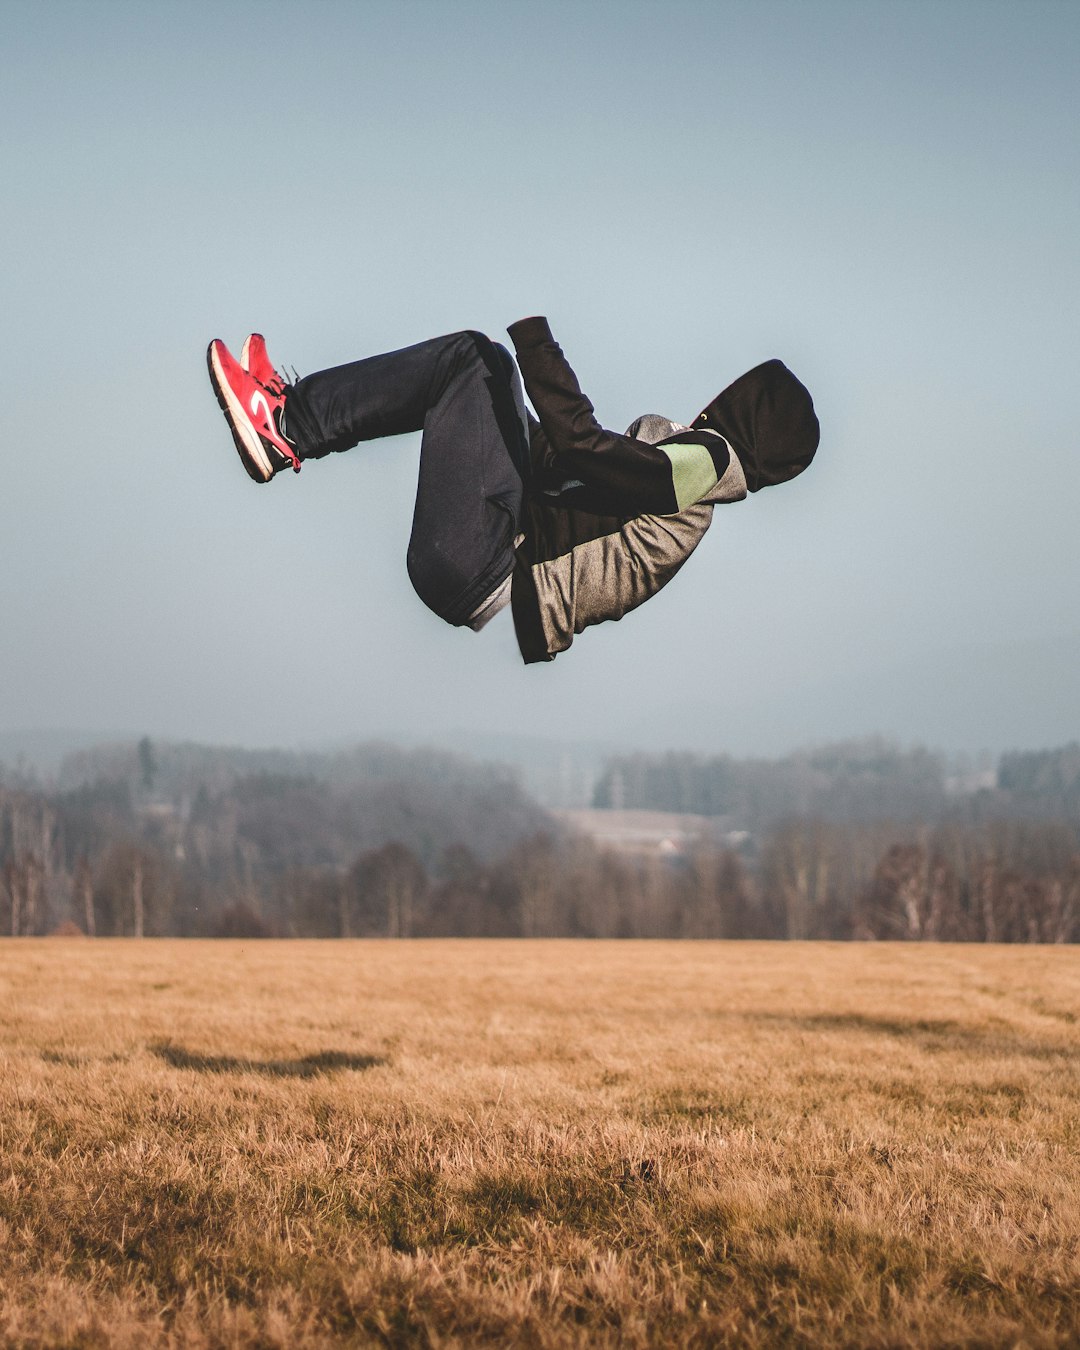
[567, 522]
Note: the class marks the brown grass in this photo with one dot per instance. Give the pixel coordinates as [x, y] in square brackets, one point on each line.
[538, 1144]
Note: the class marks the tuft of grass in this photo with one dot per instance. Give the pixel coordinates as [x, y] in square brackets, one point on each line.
[538, 1144]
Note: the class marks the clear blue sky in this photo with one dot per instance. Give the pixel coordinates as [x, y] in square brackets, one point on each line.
[885, 195]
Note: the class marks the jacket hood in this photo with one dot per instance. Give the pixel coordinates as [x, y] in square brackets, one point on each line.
[768, 418]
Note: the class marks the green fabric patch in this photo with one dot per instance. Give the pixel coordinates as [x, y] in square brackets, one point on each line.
[692, 472]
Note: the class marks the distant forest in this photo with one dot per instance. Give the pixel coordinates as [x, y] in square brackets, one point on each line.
[862, 840]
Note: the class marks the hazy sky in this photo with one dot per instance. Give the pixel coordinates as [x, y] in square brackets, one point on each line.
[884, 195]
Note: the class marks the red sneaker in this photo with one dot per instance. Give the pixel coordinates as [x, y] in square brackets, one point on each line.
[255, 361]
[253, 412]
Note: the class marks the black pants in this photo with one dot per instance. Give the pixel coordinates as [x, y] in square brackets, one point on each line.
[464, 392]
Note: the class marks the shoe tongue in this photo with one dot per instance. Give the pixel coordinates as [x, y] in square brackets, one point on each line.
[279, 418]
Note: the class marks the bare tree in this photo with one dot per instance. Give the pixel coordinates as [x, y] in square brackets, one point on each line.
[84, 890]
[387, 885]
[797, 868]
[534, 870]
[13, 884]
[137, 895]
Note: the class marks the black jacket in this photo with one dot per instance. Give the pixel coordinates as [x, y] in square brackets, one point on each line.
[596, 500]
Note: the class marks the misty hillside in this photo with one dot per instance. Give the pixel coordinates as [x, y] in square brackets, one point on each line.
[305, 807]
[851, 782]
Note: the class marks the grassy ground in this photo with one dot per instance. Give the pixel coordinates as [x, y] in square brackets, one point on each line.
[543, 1144]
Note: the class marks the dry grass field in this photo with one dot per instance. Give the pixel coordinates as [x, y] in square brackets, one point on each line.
[538, 1144]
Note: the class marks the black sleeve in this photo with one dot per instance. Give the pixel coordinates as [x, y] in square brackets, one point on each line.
[610, 474]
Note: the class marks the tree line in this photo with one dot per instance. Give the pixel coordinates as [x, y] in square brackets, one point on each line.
[159, 840]
[863, 780]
